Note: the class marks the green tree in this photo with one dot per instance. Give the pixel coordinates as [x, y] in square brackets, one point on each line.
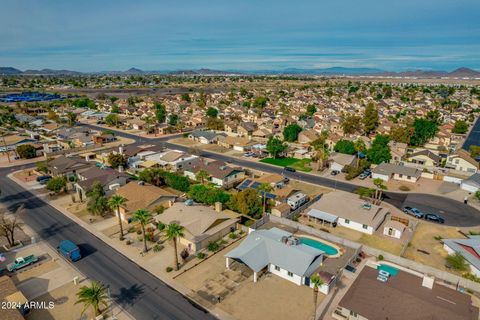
[94, 295]
[460, 127]
[316, 282]
[186, 97]
[246, 202]
[26, 151]
[402, 134]
[434, 116]
[379, 151]
[208, 194]
[360, 145]
[351, 123]
[311, 109]
[215, 124]
[275, 147]
[380, 187]
[97, 203]
[264, 188]
[457, 261]
[72, 118]
[143, 217]
[57, 184]
[160, 112]
[112, 119]
[290, 132]
[202, 176]
[423, 131]
[173, 119]
[174, 231]
[212, 112]
[115, 202]
[116, 160]
[345, 146]
[260, 102]
[370, 119]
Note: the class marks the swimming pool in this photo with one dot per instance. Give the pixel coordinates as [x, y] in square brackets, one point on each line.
[385, 267]
[328, 249]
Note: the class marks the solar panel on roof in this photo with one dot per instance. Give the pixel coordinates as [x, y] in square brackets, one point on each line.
[244, 184]
[255, 185]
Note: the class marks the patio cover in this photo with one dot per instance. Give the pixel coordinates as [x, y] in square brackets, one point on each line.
[322, 215]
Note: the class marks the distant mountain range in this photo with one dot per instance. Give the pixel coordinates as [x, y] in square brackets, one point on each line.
[458, 73]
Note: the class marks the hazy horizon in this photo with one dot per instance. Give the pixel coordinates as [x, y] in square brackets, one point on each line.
[91, 36]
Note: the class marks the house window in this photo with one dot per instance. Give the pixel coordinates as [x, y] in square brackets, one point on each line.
[400, 175]
[457, 161]
[347, 221]
[365, 226]
[290, 274]
[409, 177]
[277, 268]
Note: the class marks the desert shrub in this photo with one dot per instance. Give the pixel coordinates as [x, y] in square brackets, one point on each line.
[157, 248]
[201, 255]
[139, 231]
[213, 246]
[404, 188]
[380, 257]
[169, 269]
[438, 238]
[232, 235]
[128, 242]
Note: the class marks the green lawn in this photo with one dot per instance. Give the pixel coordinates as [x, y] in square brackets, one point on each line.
[298, 164]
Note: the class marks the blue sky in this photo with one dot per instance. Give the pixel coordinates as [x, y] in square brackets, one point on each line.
[242, 35]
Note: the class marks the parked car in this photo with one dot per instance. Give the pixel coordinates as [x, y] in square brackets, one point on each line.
[20, 262]
[434, 218]
[413, 212]
[363, 176]
[334, 172]
[40, 178]
[290, 169]
[69, 250]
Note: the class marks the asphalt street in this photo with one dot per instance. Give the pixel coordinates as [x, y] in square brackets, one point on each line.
[454, 212]
[143, 295]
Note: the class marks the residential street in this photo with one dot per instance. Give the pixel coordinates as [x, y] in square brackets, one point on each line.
[137, 291]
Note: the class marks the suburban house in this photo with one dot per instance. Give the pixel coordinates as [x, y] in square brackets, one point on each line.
[280, 253]
[398, 150]
[103, 138]
[172, 160]
[425, 158]
[462, 161]
[235, 143]
[108, 178]
[205, 137]
[219, 173]
[468, 248]
[307, 136]
[282, 210]
[63, 166]
[276, 180]
[202, 224]
[404, 295]
[393, 229]
[349, 211]
[140, 195]
[338, 161]
[297, 200]
[387, 171]
[11, 142]
[472, 183]
[246, 129]
[11, 295]
[136, 124]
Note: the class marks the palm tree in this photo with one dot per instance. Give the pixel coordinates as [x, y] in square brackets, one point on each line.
[321, 156]
[143, 217]
[317, 282]
[174, 231]
[115, 202]
[202, 175]
[94, 295]
[264, 188]
[380, 186]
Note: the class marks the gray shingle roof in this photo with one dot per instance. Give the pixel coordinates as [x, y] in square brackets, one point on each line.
[458, 245]
[263, 247]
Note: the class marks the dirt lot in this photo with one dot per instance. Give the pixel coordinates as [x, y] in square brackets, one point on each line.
[308, 188]
[424, 240]
[64, 299]
[243, 298]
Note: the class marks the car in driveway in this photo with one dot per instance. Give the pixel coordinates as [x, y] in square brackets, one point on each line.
[334, 172]
[413, 212]
[364, 175]
[434, 218]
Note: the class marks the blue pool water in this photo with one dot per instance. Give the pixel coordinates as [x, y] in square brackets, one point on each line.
[319, 245]
[385, 267]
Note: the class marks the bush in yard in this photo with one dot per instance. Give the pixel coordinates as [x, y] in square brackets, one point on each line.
[232, 235]
[128, 242]
[208, 195]
[26, 151]
[57, 184]
[131, 229]
[380, 257]
[160, 226]
[438, 238]
[157, 248]
[149, 236]
[139, 231]
[404, 188]
[169, 269]
[457, 262]
[201, 255]
[477, 195]
[213, 246]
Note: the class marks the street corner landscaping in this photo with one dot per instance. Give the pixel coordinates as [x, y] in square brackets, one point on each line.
[298, 164]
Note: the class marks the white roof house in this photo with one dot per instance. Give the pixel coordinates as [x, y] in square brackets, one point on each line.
[279, 252]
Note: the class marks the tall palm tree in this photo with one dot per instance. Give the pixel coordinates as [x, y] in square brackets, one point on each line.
[94, 295]
[202, 175]
[115, 202]
[380, 186]
[317, 282]
[174, 231]
[264, 188]
[142, 216]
